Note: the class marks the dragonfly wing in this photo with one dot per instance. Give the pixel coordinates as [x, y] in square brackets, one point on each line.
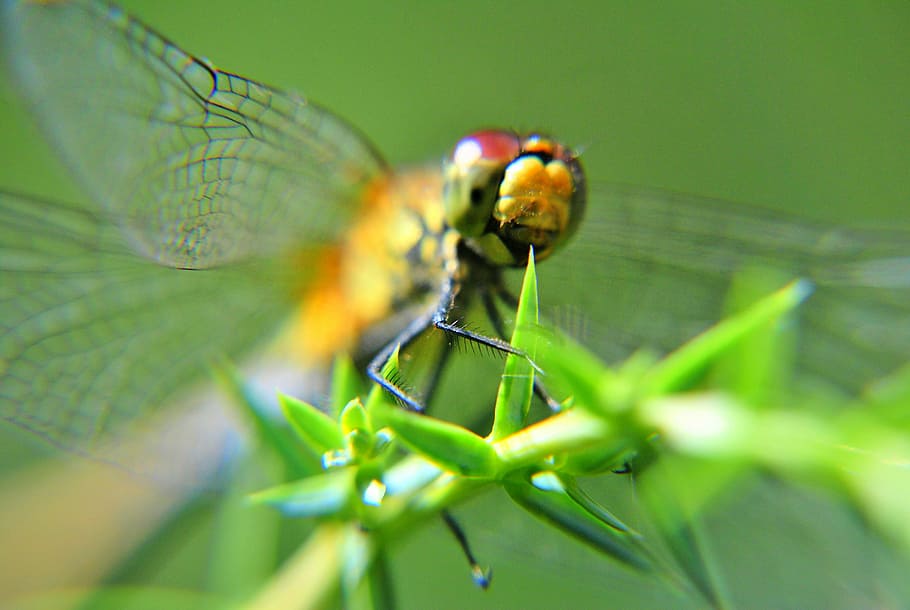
[651, 268]
[194, 168]
[200, 166]
[92, 336]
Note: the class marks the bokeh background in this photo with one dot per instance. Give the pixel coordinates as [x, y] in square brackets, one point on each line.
[798, 106]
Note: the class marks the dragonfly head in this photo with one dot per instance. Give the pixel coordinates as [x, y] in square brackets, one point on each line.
[505, 192]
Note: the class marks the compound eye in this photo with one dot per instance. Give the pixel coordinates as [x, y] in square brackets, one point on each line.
[491, 146]
[473, 173]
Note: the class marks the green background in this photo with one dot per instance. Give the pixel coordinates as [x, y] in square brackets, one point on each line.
[792, 105]
[800, 105]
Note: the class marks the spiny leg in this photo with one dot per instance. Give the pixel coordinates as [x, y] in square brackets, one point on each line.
[436, 372]
[440, 321]
[401, 341]
[438, 318]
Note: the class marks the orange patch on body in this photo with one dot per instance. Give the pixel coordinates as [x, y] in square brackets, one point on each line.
[324, 324]
[354, 283]
[330, 319]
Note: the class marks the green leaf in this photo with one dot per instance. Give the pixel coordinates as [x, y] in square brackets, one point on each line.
[245, 540]
[573, 430]
[513, 400]
[269, 429]
[595, 509]
[309, 578]
[354, 418]
[757, 367]
[318, 431]
[372, 589]
[665, 495]
[559, 509]
[450, 446]
[345, 383]
[327, 494]
[677, 370]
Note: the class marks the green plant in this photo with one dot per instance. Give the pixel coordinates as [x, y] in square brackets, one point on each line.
[687, 421]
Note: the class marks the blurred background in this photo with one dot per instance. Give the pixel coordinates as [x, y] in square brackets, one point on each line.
[800, 107]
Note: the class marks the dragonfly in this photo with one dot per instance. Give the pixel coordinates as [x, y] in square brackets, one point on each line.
[225, 215]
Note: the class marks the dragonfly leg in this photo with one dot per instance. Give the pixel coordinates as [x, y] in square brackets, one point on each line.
[500, 345]
[437, 317]
[492, 342]
[481, 577]
[496, 343]
[404, 338]
[436, 373]
[440, 321]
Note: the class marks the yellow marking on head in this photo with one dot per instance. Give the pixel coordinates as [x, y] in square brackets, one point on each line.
[535, 194]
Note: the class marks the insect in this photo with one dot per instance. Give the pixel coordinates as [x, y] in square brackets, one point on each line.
[227, 215]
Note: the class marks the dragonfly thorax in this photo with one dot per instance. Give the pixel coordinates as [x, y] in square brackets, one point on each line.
[505, 192]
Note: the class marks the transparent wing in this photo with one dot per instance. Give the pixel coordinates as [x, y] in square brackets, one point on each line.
[92, 336]
[651, 268]
[199, 166]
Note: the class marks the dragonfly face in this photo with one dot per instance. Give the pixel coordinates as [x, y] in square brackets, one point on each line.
[505, 193]
[283, 211]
